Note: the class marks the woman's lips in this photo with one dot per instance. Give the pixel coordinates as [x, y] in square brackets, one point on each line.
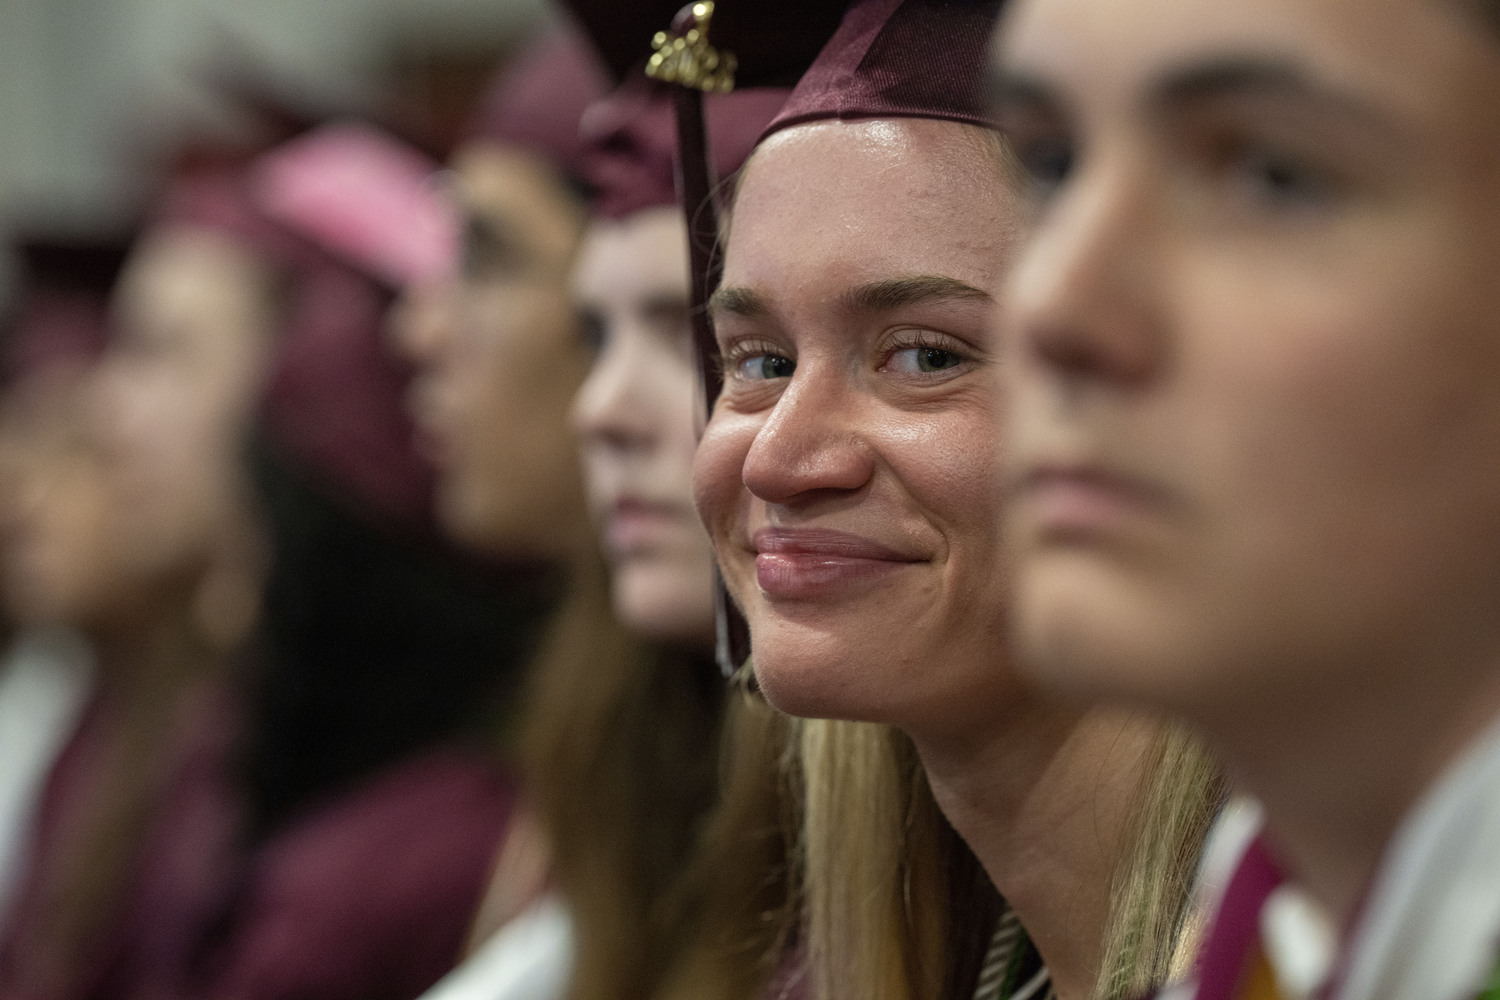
[1077, 501]
[634, 525]
[806, 564]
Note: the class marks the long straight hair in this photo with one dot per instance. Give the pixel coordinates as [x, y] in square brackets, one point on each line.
[619, 753]
[897, 906]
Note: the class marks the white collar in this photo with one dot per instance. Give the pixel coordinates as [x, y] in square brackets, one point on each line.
[1431, 925]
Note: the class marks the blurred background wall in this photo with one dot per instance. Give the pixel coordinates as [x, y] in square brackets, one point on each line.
[92, 90]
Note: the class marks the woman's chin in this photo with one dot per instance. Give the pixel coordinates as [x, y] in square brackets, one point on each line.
[665, 604]
[812, 688]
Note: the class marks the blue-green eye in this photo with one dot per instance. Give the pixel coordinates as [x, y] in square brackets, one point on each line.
[760, 367]
[923, 360]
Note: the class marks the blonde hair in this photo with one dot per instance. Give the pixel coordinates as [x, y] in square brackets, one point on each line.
[744, 871]
[1151, 939]
[618, 751]
[897, 907]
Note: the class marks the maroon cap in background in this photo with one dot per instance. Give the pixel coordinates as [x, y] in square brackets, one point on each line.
[629, 158]
[535, 103]
[899, 59]
[61, 312]
[334, 401]
[773, 41]
[333, 404]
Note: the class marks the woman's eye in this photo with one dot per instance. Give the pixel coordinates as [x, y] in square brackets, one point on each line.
[1280, 179]
[924, 360]
[760, 367]
[1047, 161]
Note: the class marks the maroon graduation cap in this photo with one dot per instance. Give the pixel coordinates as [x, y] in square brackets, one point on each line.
[538, 98]
[61, 314]
[630, 154]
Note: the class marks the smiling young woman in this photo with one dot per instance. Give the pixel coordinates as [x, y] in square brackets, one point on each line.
[849, 477]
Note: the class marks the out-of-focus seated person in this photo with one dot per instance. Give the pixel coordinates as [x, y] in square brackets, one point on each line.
[53, 560]
[374, 799]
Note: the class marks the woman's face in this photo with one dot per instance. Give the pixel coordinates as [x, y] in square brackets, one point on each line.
[498, 360]
[1255, 402]
[194, 315]
[636, 416]
[59, 556]
[850, 474]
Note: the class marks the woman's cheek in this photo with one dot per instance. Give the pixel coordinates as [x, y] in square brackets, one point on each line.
[718, 488]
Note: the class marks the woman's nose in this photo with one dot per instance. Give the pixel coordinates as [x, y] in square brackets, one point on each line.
[608, 408]
[811, 444]
[423, 321]
[1077, 304]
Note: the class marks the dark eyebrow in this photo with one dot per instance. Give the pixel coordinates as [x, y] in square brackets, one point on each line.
[879, 296]
[876, 296]
[1263, 77]
[739, 302]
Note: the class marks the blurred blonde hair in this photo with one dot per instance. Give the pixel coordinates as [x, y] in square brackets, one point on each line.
[619, 752]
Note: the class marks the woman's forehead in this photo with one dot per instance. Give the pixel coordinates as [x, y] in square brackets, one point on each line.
[864, 201]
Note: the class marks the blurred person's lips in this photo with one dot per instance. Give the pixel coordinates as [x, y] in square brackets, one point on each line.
[1080, 500]
[634, 524]
[813, 563]
[430, 434]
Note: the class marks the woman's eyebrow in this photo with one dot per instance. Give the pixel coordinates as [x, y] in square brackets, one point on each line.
[893, 293]
[1264, 77]
[739, 302]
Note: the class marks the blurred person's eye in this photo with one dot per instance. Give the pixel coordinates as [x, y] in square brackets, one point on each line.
[592, 330]
[488, 252]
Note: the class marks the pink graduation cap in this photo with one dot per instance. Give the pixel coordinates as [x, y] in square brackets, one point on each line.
[363, 195]
[334, 402]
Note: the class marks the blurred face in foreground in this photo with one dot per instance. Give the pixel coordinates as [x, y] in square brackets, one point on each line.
[636, 417]
[1255, 346]
[850, 474]
[498, 360]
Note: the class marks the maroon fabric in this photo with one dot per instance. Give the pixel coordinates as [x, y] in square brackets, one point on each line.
[216, 196]
[1235, 936]
[536, 101]
[899, 59]
[55, 327]
[177, 876]
[631, 139]
[62, 310]
[369, 897]
[334, 399]
[774, 41]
